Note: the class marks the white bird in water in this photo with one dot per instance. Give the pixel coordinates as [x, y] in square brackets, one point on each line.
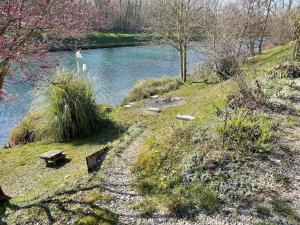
[78, 55]
[84, 68]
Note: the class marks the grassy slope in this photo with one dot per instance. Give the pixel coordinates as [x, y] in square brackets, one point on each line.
[107, 40]
[23, 174]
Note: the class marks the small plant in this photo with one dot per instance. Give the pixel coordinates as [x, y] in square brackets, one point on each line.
[146, 208]
[265, 223]
[226, 67]
[25, 131]
[102, 216]
[72, 111]
[262, 210]
[246, 131]
[146, 88]
[283, 179]
[283, 209]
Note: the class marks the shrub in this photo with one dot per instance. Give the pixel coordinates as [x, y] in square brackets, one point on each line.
[72, 111]
[280, 89]
[146, 88]
[226, 67]
[187, 197]
[262, 210]
[246, 131]
[147, 207]
[25, 131]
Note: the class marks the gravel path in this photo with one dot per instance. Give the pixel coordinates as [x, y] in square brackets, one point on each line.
[117, 182]
[119, 178]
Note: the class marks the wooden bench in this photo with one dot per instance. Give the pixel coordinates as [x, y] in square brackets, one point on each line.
[53, 157]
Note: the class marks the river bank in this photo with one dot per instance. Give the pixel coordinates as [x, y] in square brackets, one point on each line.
[97, 39]
[146, 152]
[113, 72]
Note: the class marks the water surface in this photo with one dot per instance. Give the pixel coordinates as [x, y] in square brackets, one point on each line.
[112, 71]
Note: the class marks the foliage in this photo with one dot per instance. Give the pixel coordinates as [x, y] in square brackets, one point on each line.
[103, 217]
[226, 67]
[280, 89]
[262, 210]
[25, 131]
[26, 46]
[185, 198]
[106, 38]
[283, 209]
[246, 131]
[72, 111]
[265, 223]
[146, 208]
[146, 88]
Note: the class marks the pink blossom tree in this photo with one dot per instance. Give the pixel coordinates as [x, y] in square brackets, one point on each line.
[27, 27]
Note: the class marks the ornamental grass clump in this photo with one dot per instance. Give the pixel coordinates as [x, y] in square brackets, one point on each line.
[72, 111]
[146, 88]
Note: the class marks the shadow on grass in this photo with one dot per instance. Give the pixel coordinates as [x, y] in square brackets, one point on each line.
[108, 131]
[63, 205]
[61, 163]
[269, 56]
[3, 208]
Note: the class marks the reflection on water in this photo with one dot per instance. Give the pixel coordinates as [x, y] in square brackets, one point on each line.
[112, 71]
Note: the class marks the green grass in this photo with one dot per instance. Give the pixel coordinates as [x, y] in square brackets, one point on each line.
[107, 39]
[157, 169]
[285, 210]
[146, 88]
[25, 177]
[115, 38]
[99, 217]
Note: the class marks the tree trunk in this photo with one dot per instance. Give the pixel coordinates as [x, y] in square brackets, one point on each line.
[296, 49]
[181, 64]
[264, 28]
[184, 78]
[4, 65]
[3, 197]
[252, 47]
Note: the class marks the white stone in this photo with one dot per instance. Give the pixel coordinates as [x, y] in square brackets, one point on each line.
[186, 118]
[154, 96]
[158, 110]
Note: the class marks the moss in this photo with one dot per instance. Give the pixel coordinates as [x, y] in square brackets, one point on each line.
[99, 217]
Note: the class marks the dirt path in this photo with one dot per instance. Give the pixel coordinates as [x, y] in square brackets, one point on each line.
[294, 143]
[119, 179]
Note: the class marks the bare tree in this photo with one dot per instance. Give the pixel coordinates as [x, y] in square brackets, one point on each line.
[177, 22]
[265, 23]
[295, 19]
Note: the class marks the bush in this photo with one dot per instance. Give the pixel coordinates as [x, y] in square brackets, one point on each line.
[281, 89]
[146, 88]
[25, 131]
[226, 67]
[186, 199]
[246, 131]
[72, 111]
